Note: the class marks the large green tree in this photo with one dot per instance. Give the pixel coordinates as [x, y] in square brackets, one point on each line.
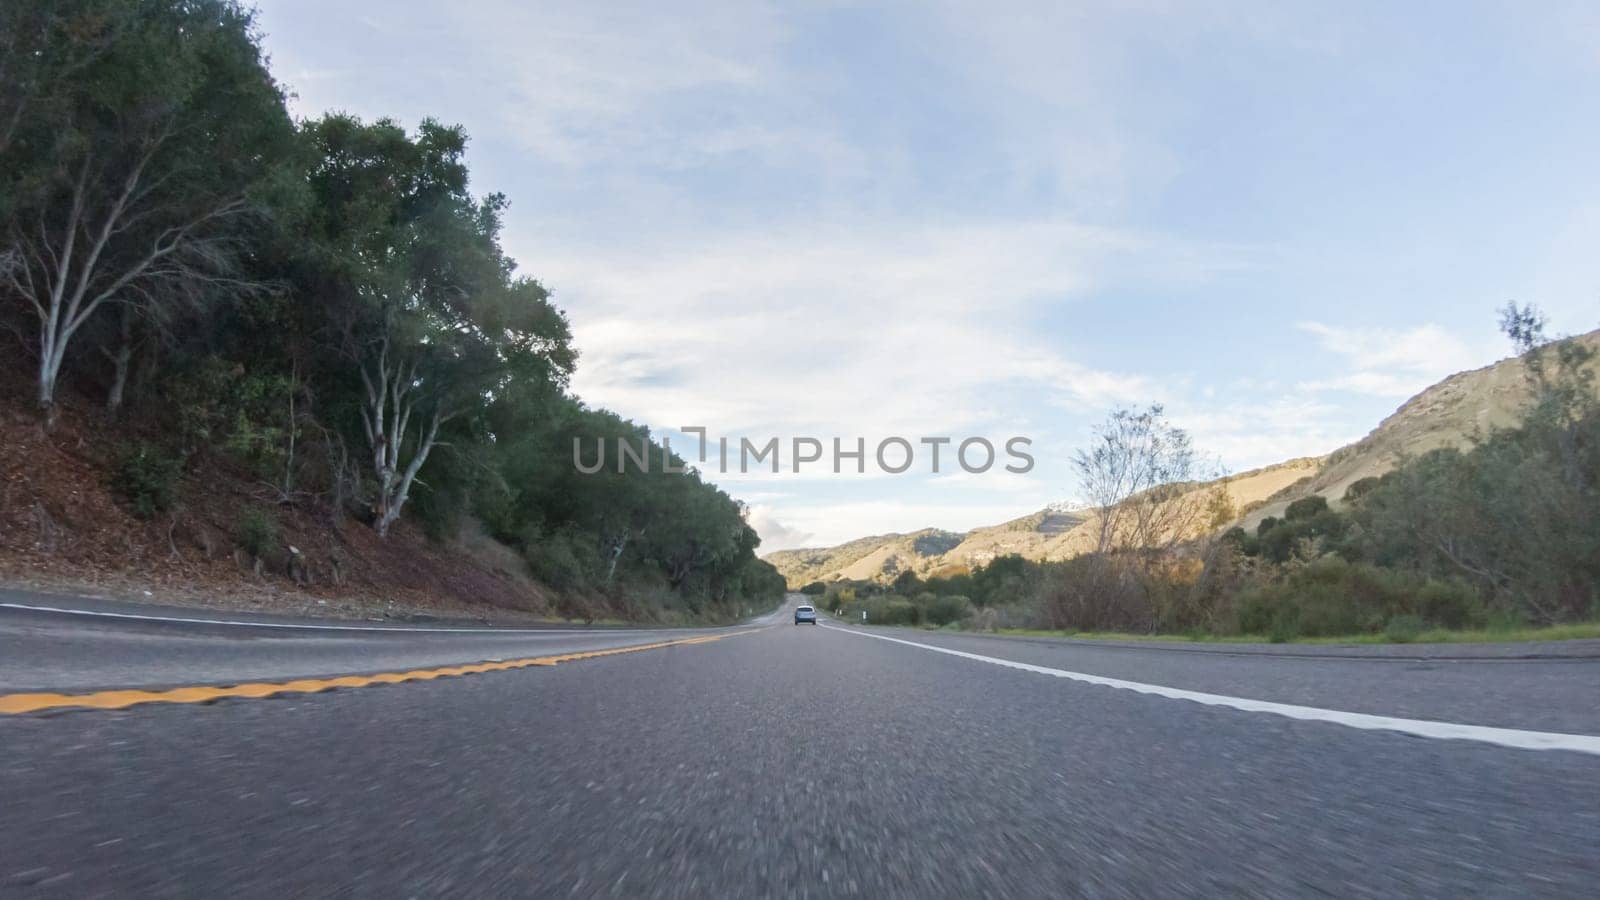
[429, 309]
[140, 132]
[297, 293]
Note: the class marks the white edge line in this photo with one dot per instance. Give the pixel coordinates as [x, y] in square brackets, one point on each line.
[318, 627]
[1501, 737]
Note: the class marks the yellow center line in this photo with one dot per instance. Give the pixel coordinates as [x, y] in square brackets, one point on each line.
[12, 704]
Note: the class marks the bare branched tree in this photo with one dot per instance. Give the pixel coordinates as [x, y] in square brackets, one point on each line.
[1140, 477]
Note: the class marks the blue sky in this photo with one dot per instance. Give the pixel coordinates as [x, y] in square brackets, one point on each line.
[997, 219]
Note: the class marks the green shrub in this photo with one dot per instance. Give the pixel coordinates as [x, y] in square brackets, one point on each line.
[1331, 597]
[215, 403]
[892, 610]
[257, 533]
[1516, 515]
[837, 596]
[1360, 488]
[1285, 627]
[899, 611]
[1451, 604]
[946, 610]
[1404, 628]
[564, 560]
[147, 477]
[1306, 508]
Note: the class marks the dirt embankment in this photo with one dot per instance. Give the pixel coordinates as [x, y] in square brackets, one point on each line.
[63, 528]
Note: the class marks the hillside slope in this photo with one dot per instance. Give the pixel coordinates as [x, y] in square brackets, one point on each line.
[1049, 534]
[62, 527]
[1449, 413]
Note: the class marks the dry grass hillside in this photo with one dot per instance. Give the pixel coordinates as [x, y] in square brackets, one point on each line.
[1449, 413]
[1049, 534]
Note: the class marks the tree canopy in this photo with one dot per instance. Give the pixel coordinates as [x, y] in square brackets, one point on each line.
[328, 302]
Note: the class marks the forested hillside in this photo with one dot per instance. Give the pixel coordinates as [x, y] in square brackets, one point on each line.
[281, 346]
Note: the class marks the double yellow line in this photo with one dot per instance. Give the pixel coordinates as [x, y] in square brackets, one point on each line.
[13, 704]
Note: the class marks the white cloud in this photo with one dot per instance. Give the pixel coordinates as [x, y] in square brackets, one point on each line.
[1248, 433]
[577, 80]
[775, 535]
[1388, 362]
[991, 482]
[868, 329]
[861, 330]
[568, 81]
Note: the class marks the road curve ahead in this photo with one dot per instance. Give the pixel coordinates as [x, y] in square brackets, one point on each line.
[777, 760]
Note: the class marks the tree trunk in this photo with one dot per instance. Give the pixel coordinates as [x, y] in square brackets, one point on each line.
[119, 362]
[616, 554]
[47, 391]
[388, 411]
[392, 503]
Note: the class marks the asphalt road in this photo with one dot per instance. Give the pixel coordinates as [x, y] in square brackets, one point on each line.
[115, 645]
[790, 761]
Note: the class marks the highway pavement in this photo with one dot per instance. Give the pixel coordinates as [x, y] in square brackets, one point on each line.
[76, 644]
[776, 760]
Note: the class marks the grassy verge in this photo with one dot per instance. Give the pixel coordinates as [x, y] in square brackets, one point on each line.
[1571, 632]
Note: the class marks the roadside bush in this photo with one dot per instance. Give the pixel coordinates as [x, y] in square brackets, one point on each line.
[1518, 515]
[217, 403]
[257, 533]
[892, 610]
[1005, 579]
[1285, 625]
[1404, 628]
[837, 597]
[994, 618]
[945, 610]
[1450, 604]
[1105, 593]
[564, 560]
[1331, 597]
[899, 611]
[147, 477]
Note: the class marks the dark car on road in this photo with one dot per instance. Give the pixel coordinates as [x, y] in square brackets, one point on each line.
[805, 614]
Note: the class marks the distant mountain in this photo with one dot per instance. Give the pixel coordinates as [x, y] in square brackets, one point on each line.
[1047, 534]
[1446, 414]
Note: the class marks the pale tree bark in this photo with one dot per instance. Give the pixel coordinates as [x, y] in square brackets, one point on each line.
[286, 488]
[67, 272]
[392, 398]
[120, 358]
[617, 546]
